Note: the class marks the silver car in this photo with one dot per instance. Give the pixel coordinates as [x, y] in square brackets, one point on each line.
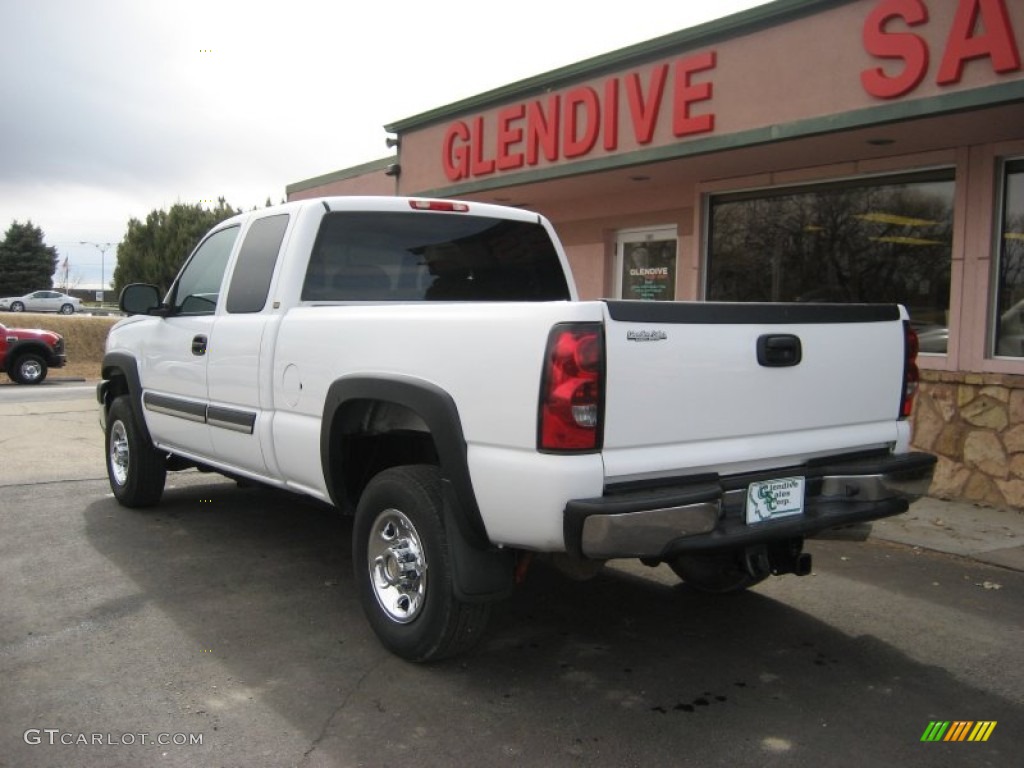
[43, 301]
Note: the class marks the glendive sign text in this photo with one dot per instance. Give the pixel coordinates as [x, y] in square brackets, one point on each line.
[678, 94]
[569, 125]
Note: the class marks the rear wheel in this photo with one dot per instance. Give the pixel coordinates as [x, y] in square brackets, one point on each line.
[403, 568]
[29, 368]
[17, 306]
[67, 309]
[717, 573]
[136, 471]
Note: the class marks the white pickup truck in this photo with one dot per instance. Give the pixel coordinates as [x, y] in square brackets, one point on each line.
[427, 365]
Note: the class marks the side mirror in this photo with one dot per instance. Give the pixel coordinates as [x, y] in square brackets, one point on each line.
[139, 299]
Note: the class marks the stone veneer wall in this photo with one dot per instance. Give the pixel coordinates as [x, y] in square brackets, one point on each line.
[974, 422]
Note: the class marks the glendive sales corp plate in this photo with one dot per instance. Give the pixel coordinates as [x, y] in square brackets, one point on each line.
[772, 499]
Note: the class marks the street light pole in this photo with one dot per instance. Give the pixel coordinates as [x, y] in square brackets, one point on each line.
[103, 271]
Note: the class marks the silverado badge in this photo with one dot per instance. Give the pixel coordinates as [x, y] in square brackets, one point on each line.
[646, 335]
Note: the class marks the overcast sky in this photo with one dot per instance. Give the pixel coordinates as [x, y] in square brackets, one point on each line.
[112, 108]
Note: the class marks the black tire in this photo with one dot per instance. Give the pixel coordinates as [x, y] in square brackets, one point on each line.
[403, 568]
[718, 573]
[17, 306]
[29, 368]
[67, 309]
[136, 471]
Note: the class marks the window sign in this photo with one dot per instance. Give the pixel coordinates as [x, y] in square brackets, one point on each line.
[879, 240]
[647, 265]
[1009, 325]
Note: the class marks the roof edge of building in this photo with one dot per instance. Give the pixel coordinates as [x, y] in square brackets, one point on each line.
[345, 173]
[744, 22]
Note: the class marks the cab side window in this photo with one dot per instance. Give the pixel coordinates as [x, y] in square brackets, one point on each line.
[197, 291]
[250, 283]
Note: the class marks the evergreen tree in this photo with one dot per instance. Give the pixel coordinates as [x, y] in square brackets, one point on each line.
[26, 263]
[154, 250]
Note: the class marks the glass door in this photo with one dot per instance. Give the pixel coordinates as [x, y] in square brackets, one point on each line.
[646, 264]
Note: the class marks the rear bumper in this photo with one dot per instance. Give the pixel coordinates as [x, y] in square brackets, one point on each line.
[708, 513]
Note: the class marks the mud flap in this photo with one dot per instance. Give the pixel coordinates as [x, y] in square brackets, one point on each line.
[478, 574]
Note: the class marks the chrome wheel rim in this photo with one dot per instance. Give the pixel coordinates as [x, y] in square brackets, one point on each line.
[31, 370]
[119, 452]
[398, 566]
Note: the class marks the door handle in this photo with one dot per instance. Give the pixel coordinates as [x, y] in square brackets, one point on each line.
[199, 345]
[779, 350]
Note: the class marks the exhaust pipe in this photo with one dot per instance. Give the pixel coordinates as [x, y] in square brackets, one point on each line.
[803, 564]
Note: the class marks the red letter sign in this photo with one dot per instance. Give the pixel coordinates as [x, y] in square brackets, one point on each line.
[996, 42]
[508, 136]
[888, 45]
[574, 144]
[456, 159]
[542, 130]
[645, 111]
[686, 94]
[481, 166]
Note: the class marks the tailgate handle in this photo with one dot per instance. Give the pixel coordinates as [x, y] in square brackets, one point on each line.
[780, 350]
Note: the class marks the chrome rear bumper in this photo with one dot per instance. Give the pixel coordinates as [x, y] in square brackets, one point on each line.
[708, 514]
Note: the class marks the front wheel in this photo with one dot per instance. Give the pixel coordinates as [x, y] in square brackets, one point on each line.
[29, 368]
[403, 568]
[136, 471]
[717, 573]
[67, 309]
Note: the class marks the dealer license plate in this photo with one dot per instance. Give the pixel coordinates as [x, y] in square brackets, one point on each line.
[772, 499]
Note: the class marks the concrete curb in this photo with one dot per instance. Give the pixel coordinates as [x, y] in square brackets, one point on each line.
[993, 536]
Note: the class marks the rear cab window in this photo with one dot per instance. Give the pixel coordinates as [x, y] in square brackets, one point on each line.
[418, 256]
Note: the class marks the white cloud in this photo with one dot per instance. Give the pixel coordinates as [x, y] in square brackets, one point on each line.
[114, 108]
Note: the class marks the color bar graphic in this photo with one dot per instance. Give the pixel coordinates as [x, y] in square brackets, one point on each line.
[958, 730]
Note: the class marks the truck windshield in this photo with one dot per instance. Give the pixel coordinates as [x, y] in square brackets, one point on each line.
[425, 256]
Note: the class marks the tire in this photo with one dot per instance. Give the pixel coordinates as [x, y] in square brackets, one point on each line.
[29, 368]
[136, 471]
[67, 309]
[719, 573]
[403, 569]
[17, 306]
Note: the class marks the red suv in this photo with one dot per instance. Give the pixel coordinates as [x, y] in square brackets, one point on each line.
[26, 355]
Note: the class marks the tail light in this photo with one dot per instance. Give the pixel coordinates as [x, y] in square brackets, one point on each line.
[572, 389]
[911, 374]
[438, 205]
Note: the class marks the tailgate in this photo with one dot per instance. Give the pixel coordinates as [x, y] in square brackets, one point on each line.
[712, 387]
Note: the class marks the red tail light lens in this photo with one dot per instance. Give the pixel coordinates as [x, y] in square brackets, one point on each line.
[911, 374]
[572, 389]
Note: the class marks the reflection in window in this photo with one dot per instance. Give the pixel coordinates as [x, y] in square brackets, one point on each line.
[880, 240]
[1009, 325]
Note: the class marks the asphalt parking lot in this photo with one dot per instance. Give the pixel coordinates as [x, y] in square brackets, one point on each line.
[225, 616]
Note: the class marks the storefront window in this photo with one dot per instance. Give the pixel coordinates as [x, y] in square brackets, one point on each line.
[647, 265]
[878, 240]
[1009, 324]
